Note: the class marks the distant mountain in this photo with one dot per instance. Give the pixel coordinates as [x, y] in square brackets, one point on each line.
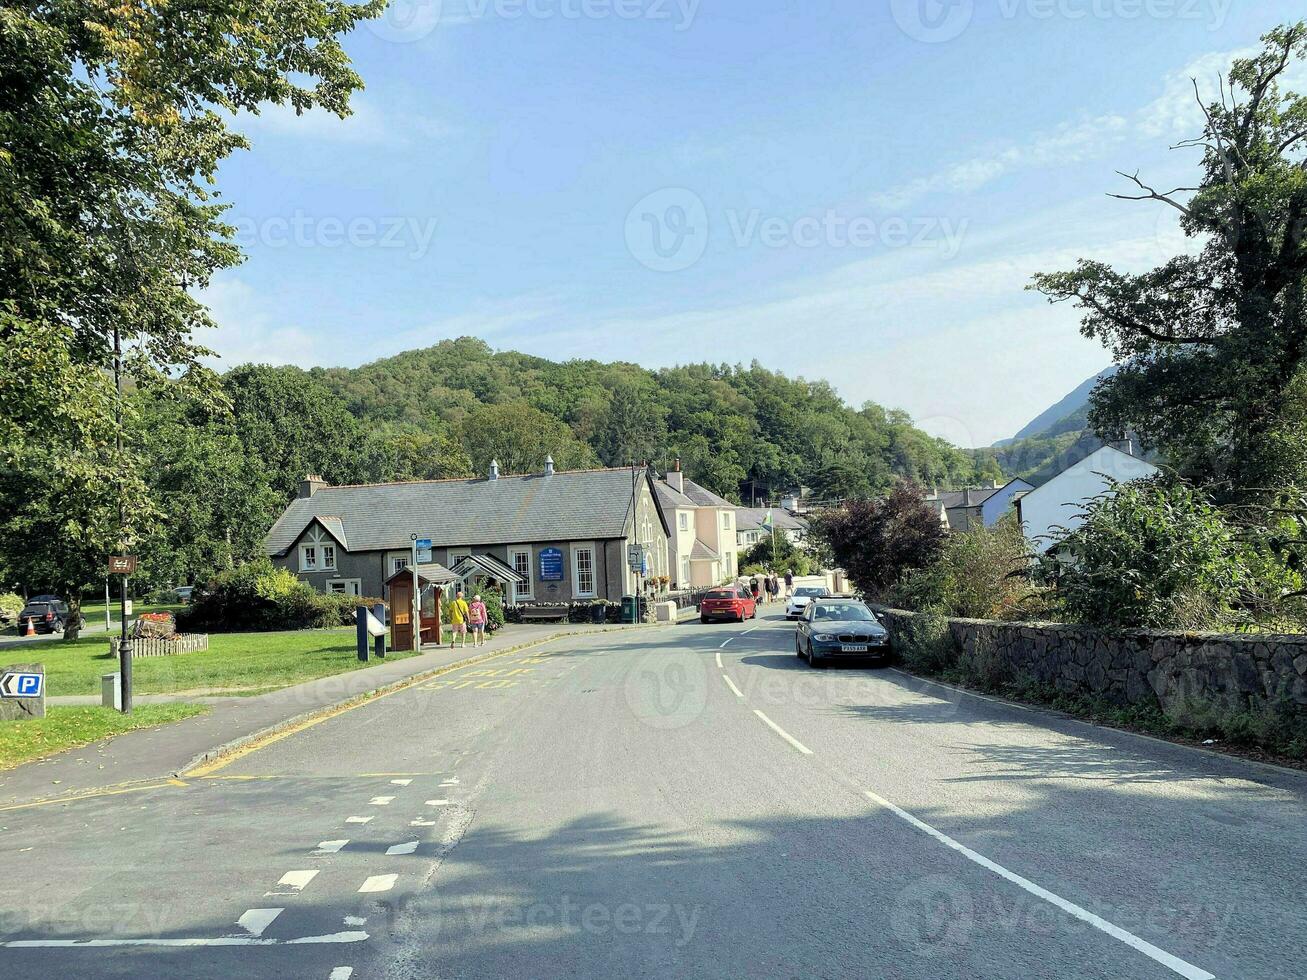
[1071, 414]
[1054, 439]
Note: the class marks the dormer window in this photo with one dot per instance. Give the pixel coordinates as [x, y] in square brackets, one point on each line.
[308, 558]
[329, 557]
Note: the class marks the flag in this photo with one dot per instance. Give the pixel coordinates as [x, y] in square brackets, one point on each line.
[767, 522]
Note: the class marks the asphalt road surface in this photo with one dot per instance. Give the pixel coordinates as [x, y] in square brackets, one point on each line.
[690, 801]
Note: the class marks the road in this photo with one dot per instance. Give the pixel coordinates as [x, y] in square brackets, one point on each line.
[690, 801]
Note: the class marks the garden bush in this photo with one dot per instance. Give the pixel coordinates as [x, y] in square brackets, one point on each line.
[11, 604]
[256, 597]
[925, 643]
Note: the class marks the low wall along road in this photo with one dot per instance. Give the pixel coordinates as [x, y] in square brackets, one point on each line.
[1177, 672]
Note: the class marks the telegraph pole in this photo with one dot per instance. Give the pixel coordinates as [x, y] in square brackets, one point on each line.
[125, 642]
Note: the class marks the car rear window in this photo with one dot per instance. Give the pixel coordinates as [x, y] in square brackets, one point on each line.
[39, 607]
[721, 594]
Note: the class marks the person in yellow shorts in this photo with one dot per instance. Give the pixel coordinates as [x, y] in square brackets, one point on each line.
[458, 615]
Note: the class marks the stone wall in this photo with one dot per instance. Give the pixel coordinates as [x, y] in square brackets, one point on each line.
[1177, 672]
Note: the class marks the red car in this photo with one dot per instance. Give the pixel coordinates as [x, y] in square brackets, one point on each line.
[728, 602]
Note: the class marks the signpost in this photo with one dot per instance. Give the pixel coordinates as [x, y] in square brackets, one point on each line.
[421, 549]
[124, 565]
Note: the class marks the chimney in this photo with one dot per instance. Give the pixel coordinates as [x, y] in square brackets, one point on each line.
[998, 484]
[310, 485]
[549, 466]
[676, 479]
[494, 470]
[1126, 446]
[966, 497]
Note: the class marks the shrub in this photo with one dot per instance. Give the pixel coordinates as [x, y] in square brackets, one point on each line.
[256, 597]
[1151, 554]
[11, 604]
[926, 644]
[978, 574]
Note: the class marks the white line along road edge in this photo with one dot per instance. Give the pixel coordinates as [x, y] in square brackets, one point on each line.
[782, 732]
[1187, 970]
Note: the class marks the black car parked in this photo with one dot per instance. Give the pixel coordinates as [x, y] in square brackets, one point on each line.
[48, 613]
[842, 628]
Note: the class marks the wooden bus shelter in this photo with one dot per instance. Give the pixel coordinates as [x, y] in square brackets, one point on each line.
[431, 579]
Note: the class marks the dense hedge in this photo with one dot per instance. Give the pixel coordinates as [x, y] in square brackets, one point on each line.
[258, 598]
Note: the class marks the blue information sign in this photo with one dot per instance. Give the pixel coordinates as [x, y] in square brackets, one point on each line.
[551, 564]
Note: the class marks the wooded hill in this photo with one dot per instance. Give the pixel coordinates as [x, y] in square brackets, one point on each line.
[735, 428]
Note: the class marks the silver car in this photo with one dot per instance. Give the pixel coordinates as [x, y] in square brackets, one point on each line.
[803, 595]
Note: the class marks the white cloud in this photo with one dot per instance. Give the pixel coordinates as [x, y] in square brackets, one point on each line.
[366, 126]
[246, 331]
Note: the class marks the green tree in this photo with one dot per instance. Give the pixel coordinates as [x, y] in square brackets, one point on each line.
[983, 573]
[879, 541]
[520, 437]
[632, 429]
[113, 122]
[1212, 345]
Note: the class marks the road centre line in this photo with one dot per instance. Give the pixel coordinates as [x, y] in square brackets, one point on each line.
[719, 659]
[1174, 963]
[408, 847]
[378, 883]
[341, 973]
[731, 684]
[783, 733]
[330, 846]
[381, 801]
[256, 921]
[357, 819]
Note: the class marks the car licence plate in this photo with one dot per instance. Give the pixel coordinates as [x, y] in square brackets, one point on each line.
[854, 647]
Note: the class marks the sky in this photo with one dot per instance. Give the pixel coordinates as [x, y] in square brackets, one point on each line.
[856, 191]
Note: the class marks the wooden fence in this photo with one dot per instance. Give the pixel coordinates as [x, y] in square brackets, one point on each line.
[155, 646]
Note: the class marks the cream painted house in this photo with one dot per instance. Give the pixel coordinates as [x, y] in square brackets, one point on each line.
[702, 544]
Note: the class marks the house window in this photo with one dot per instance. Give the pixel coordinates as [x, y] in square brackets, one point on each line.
[726, 521]
[345, 586]
[308, 558]
[685, 521]
[329, 556]
[685, 573]
[583, 571]
[520, 560]
[398, 564]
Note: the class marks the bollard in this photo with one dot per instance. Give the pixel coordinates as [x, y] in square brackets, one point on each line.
[110, 692]
[379, 641]
[361, 634]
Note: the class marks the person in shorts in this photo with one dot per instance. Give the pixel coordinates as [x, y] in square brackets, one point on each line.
[476, 620]
[458, 615]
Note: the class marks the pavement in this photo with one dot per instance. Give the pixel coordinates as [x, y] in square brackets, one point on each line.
[691, 801]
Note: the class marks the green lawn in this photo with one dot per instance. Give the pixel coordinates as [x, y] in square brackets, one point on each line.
[63, 728]
[93, 611]
[240, 663]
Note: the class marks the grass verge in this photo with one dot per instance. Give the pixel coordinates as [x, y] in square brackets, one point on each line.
[68, 727]
[235, 663]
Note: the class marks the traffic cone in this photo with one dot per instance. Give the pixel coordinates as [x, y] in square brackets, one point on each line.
[31, 629]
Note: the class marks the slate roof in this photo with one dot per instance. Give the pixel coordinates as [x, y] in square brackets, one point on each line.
[579, 505]
[955, 498]
[751, 518]
[670, 497]
[701, 552]
[703, 497]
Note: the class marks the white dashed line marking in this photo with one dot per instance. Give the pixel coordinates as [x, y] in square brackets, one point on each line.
[731, 684]
[1187, 970]
[255, 921]
[378, 883]
[783, 733]
[419, 822]
[451, 781]
[381, 801]
[357, 819]
[723, 646]
[408, 847]
[719, 659]
[341, 973]
[400, 782]
[293, 882]
[437, 802]
[330, 846]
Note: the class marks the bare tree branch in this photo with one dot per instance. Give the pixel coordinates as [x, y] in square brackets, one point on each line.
[1152, 195]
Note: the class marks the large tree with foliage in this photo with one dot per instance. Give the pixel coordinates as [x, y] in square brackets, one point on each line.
[113, 121]
[879, 541]
[1212, 345]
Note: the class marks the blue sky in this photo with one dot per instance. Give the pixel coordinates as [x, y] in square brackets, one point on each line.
[852, 191]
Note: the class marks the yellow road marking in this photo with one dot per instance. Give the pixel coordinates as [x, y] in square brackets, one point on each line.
[222, 761]
[92, 795]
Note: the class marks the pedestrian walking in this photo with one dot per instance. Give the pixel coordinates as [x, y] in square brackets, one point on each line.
[789, 583]
[477, 617]
[775, 585]
[753, 587]
[458, 614]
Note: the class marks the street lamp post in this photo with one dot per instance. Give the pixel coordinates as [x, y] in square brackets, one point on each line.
[125, 643]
